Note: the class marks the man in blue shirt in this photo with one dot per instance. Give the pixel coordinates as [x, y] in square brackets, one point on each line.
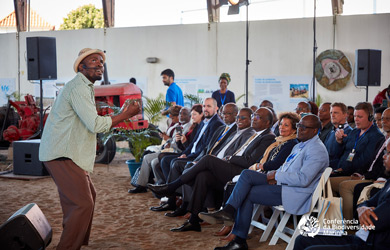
[174, 95]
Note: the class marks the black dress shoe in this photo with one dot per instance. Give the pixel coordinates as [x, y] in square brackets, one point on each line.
[218, 217]
[187, 226]
[162, 207]
[178, 212]
[138, 190]
[159, 189]
[232, 245]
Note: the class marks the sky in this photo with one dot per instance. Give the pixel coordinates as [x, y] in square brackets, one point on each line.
[130, 13]
[127, 12]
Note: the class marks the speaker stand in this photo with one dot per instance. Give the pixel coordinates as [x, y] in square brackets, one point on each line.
[367, 93]
[40, 108]
[40, 129]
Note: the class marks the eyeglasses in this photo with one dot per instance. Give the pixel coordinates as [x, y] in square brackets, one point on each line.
[253, 116]
[303, 127]
[226, 113]
[385, 119]
[241, 117]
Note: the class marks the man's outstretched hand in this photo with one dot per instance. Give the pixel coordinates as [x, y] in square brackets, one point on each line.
[129, 109]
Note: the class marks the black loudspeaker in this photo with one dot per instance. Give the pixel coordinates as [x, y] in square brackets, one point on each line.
[41, 58]
[28, 228]
[368, 67]
[26, 158]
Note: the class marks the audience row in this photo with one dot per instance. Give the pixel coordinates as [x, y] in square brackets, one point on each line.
[270, 160]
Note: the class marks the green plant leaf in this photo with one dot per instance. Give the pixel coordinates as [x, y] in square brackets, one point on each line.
[153, 107]
[194, 99]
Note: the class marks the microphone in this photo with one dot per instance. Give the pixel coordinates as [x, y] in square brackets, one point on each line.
[85, 67]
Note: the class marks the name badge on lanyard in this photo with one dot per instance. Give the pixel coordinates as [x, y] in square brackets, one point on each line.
[351, 155]
[358, 137]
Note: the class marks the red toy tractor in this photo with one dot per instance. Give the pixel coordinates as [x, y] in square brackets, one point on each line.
[28, 124]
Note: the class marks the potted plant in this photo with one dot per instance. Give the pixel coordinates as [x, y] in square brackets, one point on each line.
[138, 140]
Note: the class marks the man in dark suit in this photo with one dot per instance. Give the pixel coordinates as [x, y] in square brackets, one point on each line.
[373, 214]
[202, 137]
[212, 173]
[338, 117]
[219, 137]
[223, 143]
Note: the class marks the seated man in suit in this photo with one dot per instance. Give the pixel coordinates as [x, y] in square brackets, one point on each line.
[202, 138]
[358, 148]
[224, 141]
[146, 167]
[373, 215]
[212, 173]
[338, 117]
[292, 185]
[375, 171]
[219, 137]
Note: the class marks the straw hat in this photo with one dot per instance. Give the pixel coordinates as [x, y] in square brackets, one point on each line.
[86, 52]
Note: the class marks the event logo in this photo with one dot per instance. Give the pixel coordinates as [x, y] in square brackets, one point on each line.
[328, 227]
[310, 228]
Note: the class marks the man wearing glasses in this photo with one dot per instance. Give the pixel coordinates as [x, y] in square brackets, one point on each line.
[220, 143]
[292, 185]
[213, 173]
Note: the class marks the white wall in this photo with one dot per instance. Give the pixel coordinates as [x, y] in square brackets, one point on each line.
[278, 47]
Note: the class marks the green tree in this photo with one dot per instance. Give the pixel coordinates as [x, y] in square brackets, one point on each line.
[84, 17]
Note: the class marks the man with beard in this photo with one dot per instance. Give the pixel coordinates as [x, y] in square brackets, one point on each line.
[212, 173]
[224, 142]
[68, 146]
[174, 95]
[201, 140]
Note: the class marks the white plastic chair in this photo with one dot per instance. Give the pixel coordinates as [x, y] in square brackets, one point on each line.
[266, 224]
[279, 232]
[281, 229]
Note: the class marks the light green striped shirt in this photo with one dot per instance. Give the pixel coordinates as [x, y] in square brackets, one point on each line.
[70, 130]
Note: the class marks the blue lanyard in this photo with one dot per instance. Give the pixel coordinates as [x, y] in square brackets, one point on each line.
[290, 157]
[358, 137]
[222, 100]
[287, 163]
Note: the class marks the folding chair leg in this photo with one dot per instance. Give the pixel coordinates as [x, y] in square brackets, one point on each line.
[301, 222]
[270, 225]
[290, 245]
[279, 230]
[258, 210]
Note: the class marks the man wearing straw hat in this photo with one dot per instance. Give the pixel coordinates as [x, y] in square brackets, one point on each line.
[68, 146]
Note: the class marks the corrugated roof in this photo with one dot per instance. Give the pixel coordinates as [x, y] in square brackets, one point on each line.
[37, 22]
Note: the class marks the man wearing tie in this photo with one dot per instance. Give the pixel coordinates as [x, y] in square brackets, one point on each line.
[225, 140]
[292, 185]
[213, 173]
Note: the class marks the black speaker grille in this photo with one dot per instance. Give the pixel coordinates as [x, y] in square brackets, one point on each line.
[41, 58]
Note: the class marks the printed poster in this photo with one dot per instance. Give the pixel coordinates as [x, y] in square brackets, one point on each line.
[283, 91]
